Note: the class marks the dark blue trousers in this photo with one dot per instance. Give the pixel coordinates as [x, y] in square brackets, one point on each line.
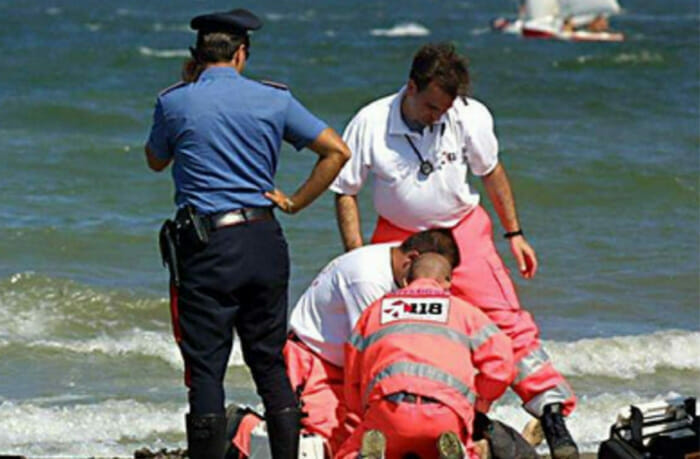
[238, 281]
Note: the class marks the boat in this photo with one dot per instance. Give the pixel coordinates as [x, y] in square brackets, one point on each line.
[567, 20]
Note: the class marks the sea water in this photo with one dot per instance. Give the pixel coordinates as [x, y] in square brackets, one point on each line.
[601, 142]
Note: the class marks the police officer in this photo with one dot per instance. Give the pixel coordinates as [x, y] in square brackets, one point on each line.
[223, 133]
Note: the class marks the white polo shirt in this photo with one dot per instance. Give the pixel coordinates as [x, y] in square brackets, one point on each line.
[462, 141]
[328, 310]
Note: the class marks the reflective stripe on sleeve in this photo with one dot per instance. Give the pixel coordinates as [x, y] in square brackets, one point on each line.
[530, 364]
[361, 343]
[483, 335]
[557, 394]
[420, 370]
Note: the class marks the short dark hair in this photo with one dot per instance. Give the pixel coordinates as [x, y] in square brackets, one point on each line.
[212, 47]
[442, 64]
[435, 240]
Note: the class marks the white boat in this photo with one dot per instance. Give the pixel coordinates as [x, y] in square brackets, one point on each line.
[570, 20]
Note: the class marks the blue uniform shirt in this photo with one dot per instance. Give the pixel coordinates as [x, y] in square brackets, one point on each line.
[224, 133]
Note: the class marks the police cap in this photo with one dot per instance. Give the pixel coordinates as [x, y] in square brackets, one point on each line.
[238, 21]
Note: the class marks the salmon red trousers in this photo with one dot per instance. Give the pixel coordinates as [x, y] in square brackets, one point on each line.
[483, 280]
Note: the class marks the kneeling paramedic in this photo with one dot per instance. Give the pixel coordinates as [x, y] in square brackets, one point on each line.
[411, 365]
[226, 251]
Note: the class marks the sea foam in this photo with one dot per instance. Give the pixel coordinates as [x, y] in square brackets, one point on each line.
[627, 357]
[134, 343]
[623, 357]
[404, 29]
[163, 53]
[114, 427]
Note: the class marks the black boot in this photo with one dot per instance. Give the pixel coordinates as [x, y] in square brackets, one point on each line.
[206, 436]
[283, 431]
[559, 439]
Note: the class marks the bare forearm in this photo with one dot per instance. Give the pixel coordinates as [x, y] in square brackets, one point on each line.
[499, 191]
[498, 188]
[348, 215]
[333, 154]
[322, 175]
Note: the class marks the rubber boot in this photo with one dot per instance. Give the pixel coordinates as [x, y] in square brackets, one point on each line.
[206, 436]
[283, 429]
[561, 445]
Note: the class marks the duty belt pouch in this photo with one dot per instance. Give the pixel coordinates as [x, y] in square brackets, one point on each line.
[192, 228]
[167, 239]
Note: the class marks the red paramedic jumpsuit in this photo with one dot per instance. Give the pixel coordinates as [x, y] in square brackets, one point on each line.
[319, 386]
[422, 344]
[482, 280]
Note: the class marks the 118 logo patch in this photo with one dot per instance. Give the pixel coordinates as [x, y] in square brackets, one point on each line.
[435, 309]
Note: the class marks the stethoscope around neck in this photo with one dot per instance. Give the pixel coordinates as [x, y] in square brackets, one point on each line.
[426, 167]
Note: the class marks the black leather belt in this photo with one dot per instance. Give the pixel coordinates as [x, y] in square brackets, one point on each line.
[407, 397]
[238, 216]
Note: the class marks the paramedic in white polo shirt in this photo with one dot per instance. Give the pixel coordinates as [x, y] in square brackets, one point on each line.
[419, 146]
[324, 316]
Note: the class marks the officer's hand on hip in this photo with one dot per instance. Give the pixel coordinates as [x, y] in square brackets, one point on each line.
[281, 200]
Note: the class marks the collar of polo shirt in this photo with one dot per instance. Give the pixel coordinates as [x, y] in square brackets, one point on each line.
[397, 126]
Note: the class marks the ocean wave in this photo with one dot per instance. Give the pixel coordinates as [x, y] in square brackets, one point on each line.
[404, 29]
[86, 429]
[480, 31]
[46, 313]
[163, 53]
[641, 57]
[135, 343]
[160, 27]
[591, 420]
[626, 357]
[34, 306]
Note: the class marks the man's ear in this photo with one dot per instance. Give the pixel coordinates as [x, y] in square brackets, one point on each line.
[411, 255]
[239, 56]
[411, 88]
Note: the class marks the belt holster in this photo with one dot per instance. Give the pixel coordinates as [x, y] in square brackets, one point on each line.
[167, 239]
[192, 228]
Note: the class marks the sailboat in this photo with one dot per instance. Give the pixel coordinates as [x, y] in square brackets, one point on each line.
[571, 20]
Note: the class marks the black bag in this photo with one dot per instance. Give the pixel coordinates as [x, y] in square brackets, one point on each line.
[658, 430]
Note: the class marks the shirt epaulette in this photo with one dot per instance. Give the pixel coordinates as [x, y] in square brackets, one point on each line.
[172, 87]
[275, 85]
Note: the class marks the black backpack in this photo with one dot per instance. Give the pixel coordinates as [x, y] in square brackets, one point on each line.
[657, 430]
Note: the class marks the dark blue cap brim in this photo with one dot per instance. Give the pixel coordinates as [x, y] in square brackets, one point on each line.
[235, 21]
